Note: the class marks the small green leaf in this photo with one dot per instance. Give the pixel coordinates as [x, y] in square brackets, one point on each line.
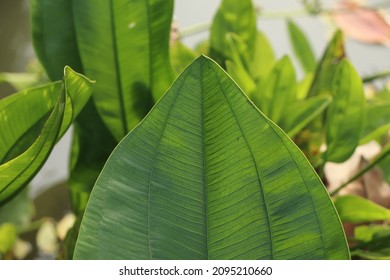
[181, 56]
[263, 59]
[238, 65]
[54, 36]
[19, 115]
[207, 176]
[279, 90]
[301, 113]
[322, 85]
[373, 242]
[356, 209]
[232, 17]
[367, 233]
[304, 86]
[8, 237]
[326, 69]
[301, 46]
[345, 116]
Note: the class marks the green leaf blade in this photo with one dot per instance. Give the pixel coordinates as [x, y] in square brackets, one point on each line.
[112, 36]
[54, 37]
[42, 115]
[356, 209]
[345, 116]
[206, 176]
[301, 47]
[232, 17]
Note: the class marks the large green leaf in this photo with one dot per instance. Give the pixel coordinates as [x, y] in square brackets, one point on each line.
[181, 56]
[263, 58]
[232, 16]
[54, 37]
[207, 176]
[301, 46]
[24, 116]
[124, 46]
[345, 116]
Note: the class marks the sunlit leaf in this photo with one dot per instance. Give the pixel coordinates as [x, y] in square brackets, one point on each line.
[356, 209]
[301, 46]
[326, 68]
[181, 56]
[263, 59]
[345, 116]
[279, 90]
[300, 114]
[207, 176]
[125, 46]
[24, 115]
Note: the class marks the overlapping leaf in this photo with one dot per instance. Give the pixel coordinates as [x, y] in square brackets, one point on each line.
[345, 116]
[232, 17]
[124, 45]
[301, 47]
[207, 176]
[31, 123]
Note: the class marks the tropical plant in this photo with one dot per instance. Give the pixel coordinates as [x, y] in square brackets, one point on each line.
[208, 170]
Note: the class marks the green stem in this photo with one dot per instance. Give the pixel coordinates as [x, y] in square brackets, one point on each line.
[194, 29]
[381, 74]
[382, 156]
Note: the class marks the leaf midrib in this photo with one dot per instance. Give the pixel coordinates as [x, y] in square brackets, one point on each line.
[117, 70]
[254, 162]
[153, 167]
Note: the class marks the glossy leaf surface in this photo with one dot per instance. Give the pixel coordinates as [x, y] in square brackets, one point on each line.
[33, 115]
[124, 45]
[207, 176]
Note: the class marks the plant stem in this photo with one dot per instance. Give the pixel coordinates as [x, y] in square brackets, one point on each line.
[194, 29]
[382, 156]
[375, 76]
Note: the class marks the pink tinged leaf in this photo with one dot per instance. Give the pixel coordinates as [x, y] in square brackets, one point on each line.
[361, 23]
